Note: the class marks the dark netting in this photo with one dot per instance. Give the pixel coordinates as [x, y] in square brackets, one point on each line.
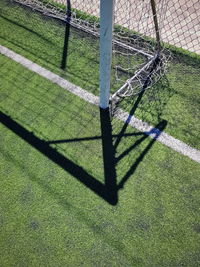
[102, 152]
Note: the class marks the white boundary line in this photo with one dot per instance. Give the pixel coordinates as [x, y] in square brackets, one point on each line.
[162, 137]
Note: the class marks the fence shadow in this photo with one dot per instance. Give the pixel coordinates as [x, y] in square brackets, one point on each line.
[66, 37]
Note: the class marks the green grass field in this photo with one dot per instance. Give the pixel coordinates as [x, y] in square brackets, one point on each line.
[58, 207]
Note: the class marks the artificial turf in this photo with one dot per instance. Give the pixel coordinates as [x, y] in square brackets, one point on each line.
[52, 212]
[49, 217]
[175, 98]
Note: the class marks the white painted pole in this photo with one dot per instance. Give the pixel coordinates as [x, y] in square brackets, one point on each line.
[106, 32]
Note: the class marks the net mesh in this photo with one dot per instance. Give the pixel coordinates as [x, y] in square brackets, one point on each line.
[135, 63]
[139, 33]
[71, 127]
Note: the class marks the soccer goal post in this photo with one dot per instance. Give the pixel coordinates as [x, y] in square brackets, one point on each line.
[142, 75]
[106, 38]
[128, 38]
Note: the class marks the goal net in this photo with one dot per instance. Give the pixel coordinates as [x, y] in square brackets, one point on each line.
[138, 56]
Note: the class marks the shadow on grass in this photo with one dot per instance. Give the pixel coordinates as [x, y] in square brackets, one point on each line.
[54, 47]
[26, 28]
[66, 38]
[107, 190]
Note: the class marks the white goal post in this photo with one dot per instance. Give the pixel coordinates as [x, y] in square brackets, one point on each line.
[106, 40]
[106, 33]
[129, 34]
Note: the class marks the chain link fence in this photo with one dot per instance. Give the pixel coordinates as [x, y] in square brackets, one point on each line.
[136, 39]
[180, 25]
